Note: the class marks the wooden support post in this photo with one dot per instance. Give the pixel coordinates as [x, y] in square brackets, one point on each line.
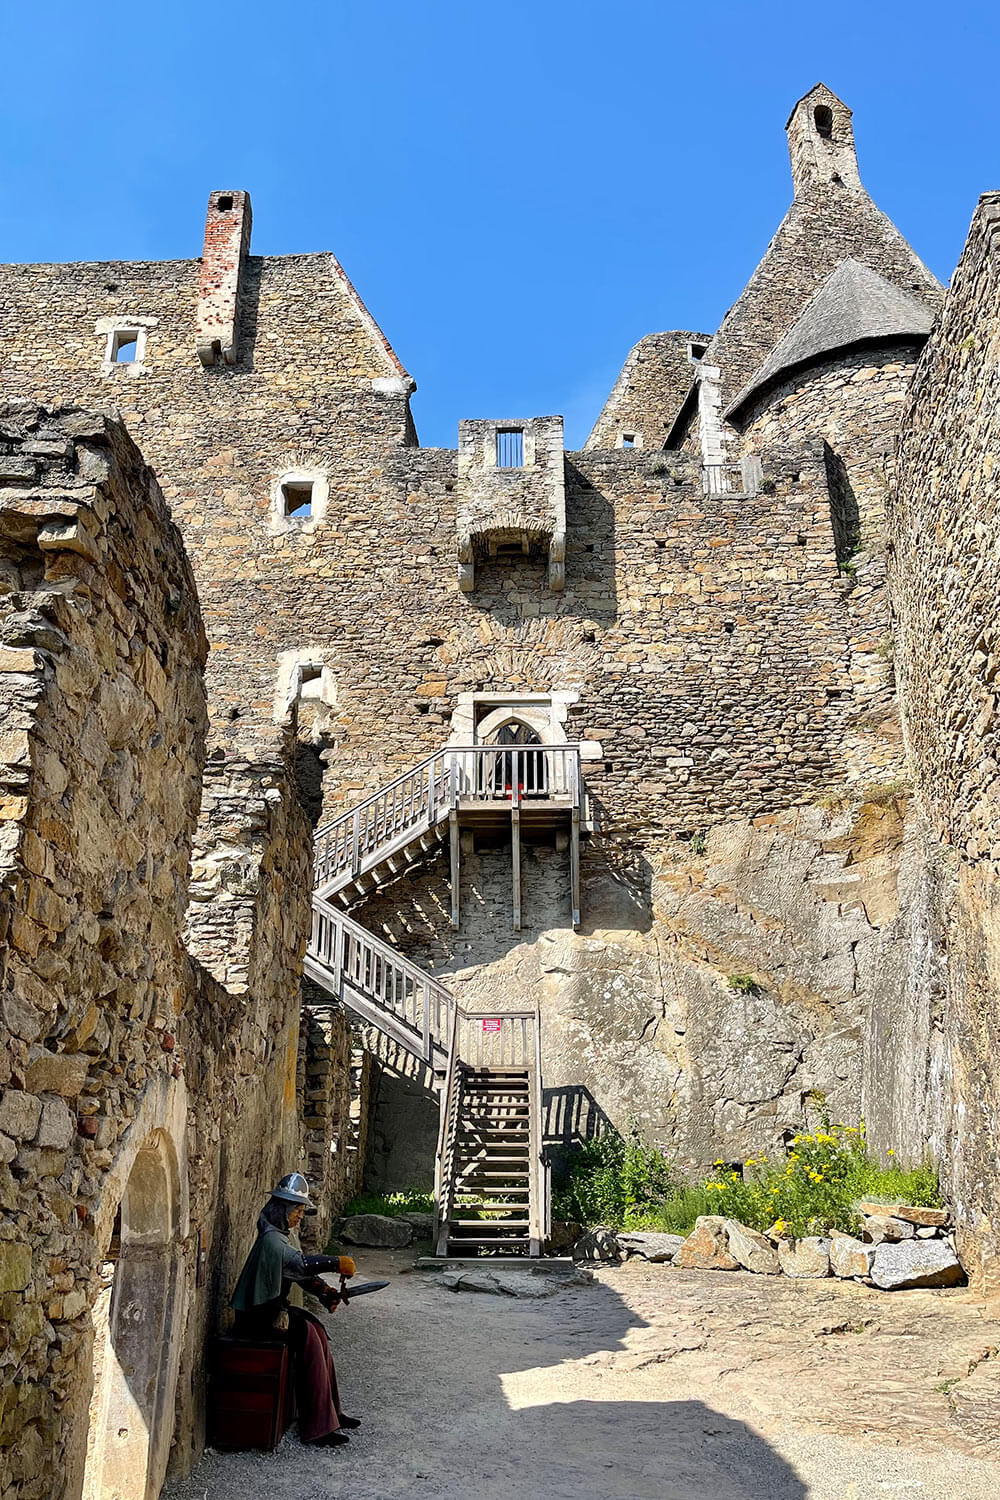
[456, 895]
[574, 866]
[515, 855]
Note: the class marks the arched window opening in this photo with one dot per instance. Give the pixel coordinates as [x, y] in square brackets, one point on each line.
[823, 116]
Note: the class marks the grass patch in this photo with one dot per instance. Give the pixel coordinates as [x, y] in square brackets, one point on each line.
[810, 1190]
[392, 1205]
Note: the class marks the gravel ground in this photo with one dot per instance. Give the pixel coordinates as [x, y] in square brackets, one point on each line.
[648, 1382]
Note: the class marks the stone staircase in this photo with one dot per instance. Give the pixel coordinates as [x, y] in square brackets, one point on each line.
[491, 1188]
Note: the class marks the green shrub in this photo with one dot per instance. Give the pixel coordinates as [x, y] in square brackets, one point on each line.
[745, 984]
[811, 1190]
[607, 1179]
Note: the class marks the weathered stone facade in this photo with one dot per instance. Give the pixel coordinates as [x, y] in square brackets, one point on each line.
[943, 529]
[124, 1061]
[770, 924]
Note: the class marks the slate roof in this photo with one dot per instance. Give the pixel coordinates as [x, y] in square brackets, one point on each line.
[854, 305]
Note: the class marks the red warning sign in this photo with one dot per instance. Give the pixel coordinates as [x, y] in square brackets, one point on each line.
[492, 1025]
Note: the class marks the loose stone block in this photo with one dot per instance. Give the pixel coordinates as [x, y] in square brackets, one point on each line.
[648, 1245]
[707, 1246]
[916, 1263]
[752, 1250]
[809, 1257]
[850, 1257]
[376, 1230]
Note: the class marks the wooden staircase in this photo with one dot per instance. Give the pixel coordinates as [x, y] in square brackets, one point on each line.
[491, 1186]
[491, 1189]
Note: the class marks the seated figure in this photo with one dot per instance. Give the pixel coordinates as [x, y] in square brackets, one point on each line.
[260, 1302]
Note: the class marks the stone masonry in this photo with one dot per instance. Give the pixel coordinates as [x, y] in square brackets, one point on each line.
[772, 637]
[124, 1061]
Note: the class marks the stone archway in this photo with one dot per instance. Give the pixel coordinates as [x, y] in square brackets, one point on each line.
[137, 1327]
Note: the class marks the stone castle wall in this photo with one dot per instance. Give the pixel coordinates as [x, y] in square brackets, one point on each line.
[648, 393]
[124, 1062]
[945, 577]
[706, 639]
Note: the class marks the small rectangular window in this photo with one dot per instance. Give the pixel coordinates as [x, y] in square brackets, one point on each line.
[697, 352]
[510, 448]
[296, 498]
[628, 439]
[125, 346]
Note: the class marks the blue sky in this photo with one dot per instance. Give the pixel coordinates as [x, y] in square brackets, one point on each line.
[518, 191]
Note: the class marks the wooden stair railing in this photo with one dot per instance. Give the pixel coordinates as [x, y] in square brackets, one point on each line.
[380, 985]
[395, 815]
[417, 804]
[491, 1103]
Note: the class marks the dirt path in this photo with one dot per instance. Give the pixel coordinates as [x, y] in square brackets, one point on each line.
[649, 1382]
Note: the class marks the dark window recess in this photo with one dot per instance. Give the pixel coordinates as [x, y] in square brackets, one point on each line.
[698, 352]
[124, 347]
[729, 626]
[844, 514]
[510, 448]
[609, 765]
[297, 500]
[225, 203]
[823, 115]
[628, 439]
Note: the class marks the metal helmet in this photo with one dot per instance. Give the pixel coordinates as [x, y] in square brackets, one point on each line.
[292, 1188]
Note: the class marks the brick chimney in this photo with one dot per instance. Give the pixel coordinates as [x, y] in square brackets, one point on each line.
[227, 241]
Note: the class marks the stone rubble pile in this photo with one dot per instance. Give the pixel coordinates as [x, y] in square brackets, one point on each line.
[900, 1246]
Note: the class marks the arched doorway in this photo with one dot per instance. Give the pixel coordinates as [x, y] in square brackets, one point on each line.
[518, 763]
[137, 1329]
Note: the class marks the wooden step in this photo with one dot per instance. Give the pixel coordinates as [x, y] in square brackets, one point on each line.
[488, 1223]
[502, 1207]
[491, 1243]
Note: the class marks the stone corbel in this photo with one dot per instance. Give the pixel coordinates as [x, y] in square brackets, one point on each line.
[557, 562]
[466, 563]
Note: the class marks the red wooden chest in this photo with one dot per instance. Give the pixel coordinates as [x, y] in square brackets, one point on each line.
[251, 1398]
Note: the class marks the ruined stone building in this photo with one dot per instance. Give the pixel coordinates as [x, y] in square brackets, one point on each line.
[728, 671]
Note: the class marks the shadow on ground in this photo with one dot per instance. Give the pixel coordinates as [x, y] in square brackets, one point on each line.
[456, 1390]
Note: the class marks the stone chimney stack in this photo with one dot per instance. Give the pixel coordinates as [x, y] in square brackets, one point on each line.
[821, 143]
[227, 242]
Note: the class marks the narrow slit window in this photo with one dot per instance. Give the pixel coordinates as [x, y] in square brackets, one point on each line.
[510, 448]
[296, 498]
[125, 346]
[823, 115]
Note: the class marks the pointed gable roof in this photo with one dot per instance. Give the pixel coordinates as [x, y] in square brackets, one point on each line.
[854, 305]
[818, 94]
